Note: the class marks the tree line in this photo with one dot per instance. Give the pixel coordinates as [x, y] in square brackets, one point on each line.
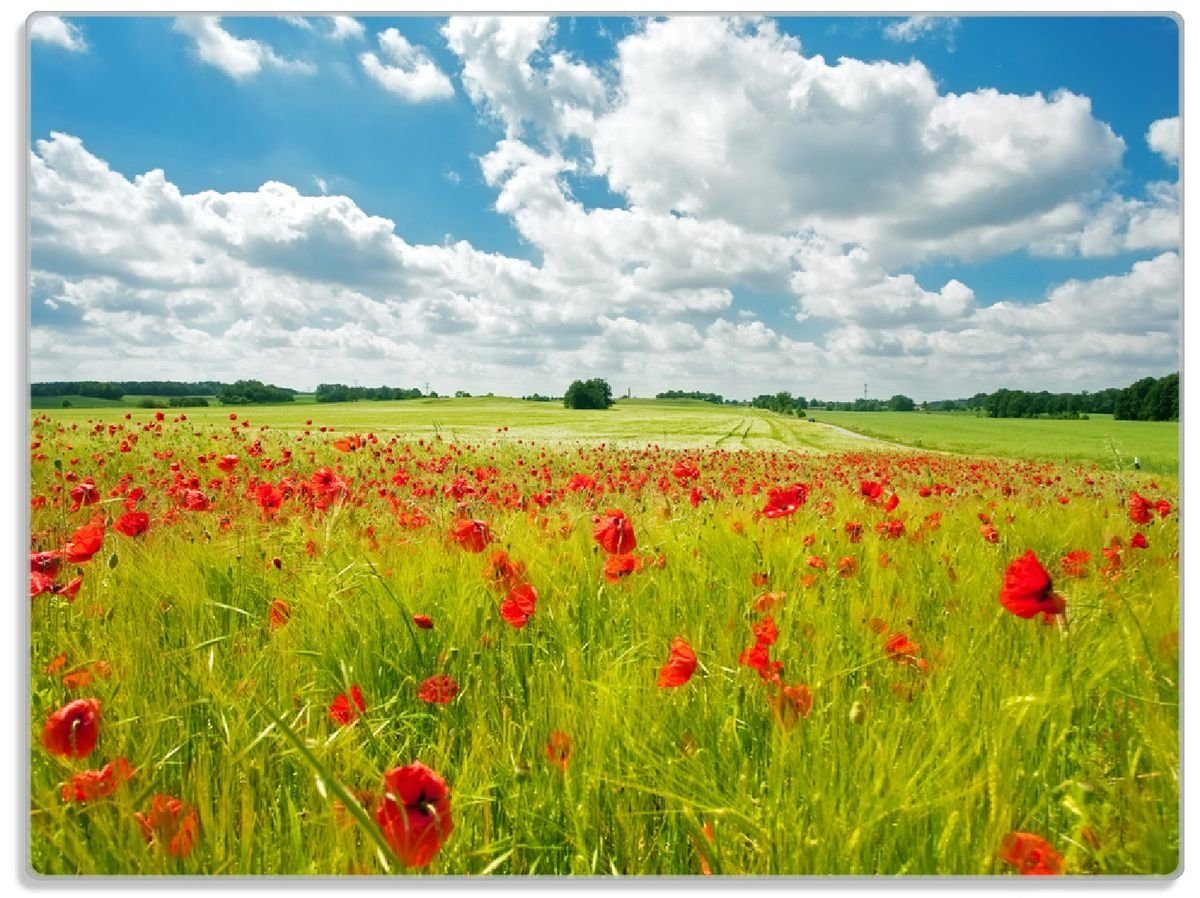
[343, 393]
[108, 389]
[1148, 399]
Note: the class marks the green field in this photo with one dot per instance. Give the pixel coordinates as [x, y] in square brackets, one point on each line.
[1099, 439]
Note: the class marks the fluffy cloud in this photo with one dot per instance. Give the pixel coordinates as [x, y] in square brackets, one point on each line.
[343, 28]
[59, 32]
[915, 28]
[236, 57]
[1163, 138]
[411, 74]
[557, 96]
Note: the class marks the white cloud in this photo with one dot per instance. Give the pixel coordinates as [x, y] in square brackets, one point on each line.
[343, 28]
[236, 57]
[412, 75]
[58, 31]
[506, 74]
[299, 22]
[915, 28]
[1163, 138]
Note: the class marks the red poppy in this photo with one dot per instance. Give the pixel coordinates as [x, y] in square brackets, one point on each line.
[1139, 541]
[93, 784]
[414, 813]
[614, 532]
[1031, 855]
[438, 690]
[1163, 507]
[871, 490]
[473, 536]
[342, 711]
[558, 750]
[44, 562]
[784, 502]
[618, 566]
[502, 572]
[84, 493]
[518, 605]
[758, 657]
[847, 566]
[172, 824]
[989, 533]
[423, 621]
[351, 443]
[84, 543]
[1027, 589]
[791, 703]
[854, 531]
[1074, 563]
[901, 649]
[278, 614]
[72, 730]
[892, 502]
[132, 523]
[765, 631]
[227, 463]
[40, 583]
[1139, 509]
[681, 664]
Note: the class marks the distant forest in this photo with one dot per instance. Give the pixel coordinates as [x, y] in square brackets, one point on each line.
[1149, 399]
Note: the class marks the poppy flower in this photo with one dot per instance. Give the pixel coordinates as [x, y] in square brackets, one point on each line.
[172, 824]
[227, 463]
[84, 493]
[892, 502]
[989, 533]
[342, 711]
[558, 750]
[438, 690]
[518, 605]
[1074, 563]
[614, 532]
[786, 501]
[1139, 509]
[502, 572]
[1139, 541]
[681, 664]
[791, 703]
[473, 536]
[40, 583]
[44, 562]
[1031, 855]
[72, 730]
[93, 784]
[901, 649]
[765, 631]
[1163, 507]
[1027, 589]
[84, 543]
[414, 813]
[279, 613]
[618, 566]
[854, 531]
[132, 523]
[758, 657]
[423, 621]
[871, 490]
[847, 566]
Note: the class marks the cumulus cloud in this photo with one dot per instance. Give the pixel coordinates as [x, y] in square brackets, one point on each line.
[342, 28]
[1163, 138]
[504, 73]
[237, 57]
[59, 32]
[409, 73]
[915, 28]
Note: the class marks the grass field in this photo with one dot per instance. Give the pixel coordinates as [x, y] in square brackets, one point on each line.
[1099, 439]
[861, 701]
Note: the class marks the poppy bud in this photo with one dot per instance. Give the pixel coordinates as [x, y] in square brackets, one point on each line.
[858, 713]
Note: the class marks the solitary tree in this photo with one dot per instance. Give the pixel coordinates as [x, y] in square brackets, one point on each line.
[594, 393]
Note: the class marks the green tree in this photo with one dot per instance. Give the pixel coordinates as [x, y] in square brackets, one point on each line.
[594, 393]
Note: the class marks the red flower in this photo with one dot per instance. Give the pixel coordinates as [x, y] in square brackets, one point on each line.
[1027, 589]
[614, 532]
[93, 784]
[847, 566]
[44, 562]
[871, 490]
[342, 712]
[132, 523]
[854, 531]
[518, 605]
[892, 502]
[558, 749]
[84, 493]
[1139, 541]
[784, 502]
[1074, 563]
[414, 813]
[758, 657]
[901, 649]
[1139, 509]
[502, 572]
[438, 690]
[1031, 855]
[681, 664]
[84, 543]
[279, 614]
[72, 730]
[227, 463]
[473, 536]
[765, 631]
[989, 533]
[890, 529]
[423, 621]
[791, 703]
[1163, 507]
[618, 566]
[40, 583]
[172, 824]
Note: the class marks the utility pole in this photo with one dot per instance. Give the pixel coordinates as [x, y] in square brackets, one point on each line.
[864, 391]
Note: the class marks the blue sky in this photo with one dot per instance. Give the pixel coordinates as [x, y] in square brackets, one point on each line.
[137, 94]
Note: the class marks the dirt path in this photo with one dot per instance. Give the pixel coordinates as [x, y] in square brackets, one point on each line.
[853, 434]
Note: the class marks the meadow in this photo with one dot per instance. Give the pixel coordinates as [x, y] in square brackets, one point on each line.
[667, 638]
